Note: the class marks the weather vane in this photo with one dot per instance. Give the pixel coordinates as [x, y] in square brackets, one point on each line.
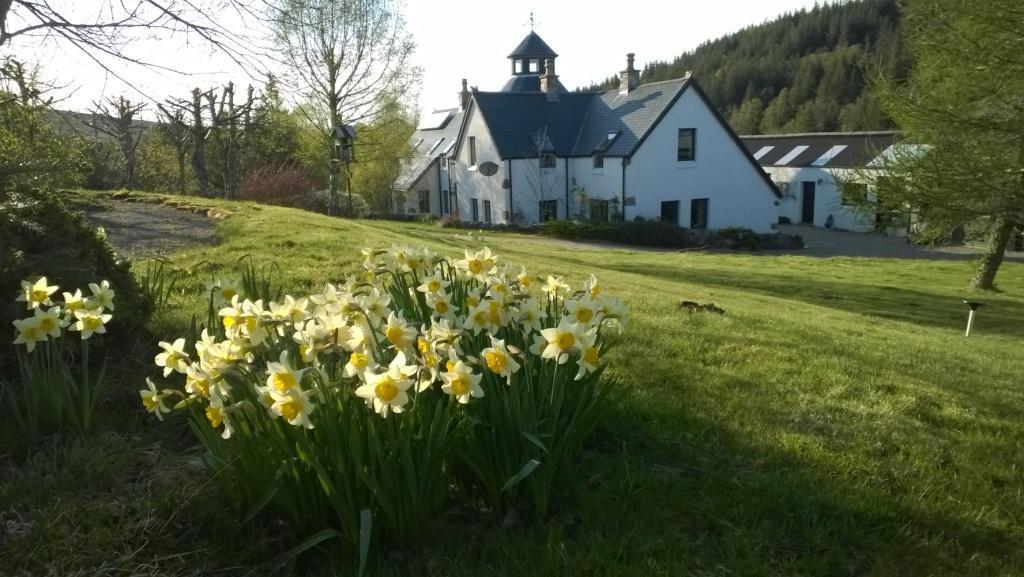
[531, 20]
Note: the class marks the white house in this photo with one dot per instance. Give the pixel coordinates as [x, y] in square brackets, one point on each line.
[534, 151]
[809, 168]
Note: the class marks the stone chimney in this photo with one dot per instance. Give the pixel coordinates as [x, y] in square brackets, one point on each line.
[629, 78]
[549, 81]
[464, 96]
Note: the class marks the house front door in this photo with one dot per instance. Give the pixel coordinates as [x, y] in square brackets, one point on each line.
[807, 203]
[670, 211]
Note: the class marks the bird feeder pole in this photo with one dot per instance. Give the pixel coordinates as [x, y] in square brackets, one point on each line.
[970, 315]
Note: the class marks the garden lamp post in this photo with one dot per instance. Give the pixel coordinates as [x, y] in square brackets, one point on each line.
[974, 306]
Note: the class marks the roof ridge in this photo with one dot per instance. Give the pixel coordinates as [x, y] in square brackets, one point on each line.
[583, 125]
[807, 134]
[645, 84]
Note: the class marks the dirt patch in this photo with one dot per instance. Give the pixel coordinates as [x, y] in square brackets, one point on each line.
[137, 229]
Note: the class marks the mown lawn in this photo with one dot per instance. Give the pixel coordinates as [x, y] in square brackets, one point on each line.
[834, 421]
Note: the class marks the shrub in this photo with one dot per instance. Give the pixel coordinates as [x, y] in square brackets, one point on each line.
[39, 236]
[666, 234]
[363, 396]
[320, 201]
[281, 186]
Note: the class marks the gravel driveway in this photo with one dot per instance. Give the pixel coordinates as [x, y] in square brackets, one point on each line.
[821, 242]
[141, 229]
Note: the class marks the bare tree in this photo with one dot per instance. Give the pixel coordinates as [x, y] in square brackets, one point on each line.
[229, 123]
[175, 130]
[350, 58]
[116, 117]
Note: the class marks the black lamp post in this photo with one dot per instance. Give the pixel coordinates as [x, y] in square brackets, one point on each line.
[974, 306]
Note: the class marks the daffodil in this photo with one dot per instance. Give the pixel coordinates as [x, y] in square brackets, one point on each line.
[357, 364]
[529, 315]
[102, 296]
[153, 400]
[311, 340]
[584, 311]
[50, 321]
[591, 287]
[36, 294]
[478, 265]
[499, 360]
[560, 341]
[73, 302]
[290, 311]
[478, 318]
[375, 305]
[174, 358]
[433, 284]
[440, 304]
[399, 333]
[589, 354]
[293, 406]
[461, 382]
[281, 377]
[386, 391]
[222, 292]
[29, 333]
[524, 279]
[556, 288]
[198, 381]
[90, 322]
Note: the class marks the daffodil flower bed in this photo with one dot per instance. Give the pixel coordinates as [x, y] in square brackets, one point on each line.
[54, 391]
[421, 376]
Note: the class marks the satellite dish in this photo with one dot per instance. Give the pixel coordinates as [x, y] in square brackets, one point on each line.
[488, 168]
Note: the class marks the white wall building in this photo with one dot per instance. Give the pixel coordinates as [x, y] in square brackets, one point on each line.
[809, 168]
[534, 152]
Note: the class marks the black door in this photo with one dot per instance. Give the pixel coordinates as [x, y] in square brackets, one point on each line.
[807, 212]
[670, 211]
[699, 213]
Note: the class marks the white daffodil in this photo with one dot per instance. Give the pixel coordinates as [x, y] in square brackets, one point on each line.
[174, 358]
[198, 380]
[281, 377]
[529, 315]
[433, 284]
[29, 333]
[556, 288]
[375, 305]
[221, 291]
[386, 391]
[294, 406]
[219, 416]
[290, 311]
[91, 321]
[591, 287]
[153, 400]
[399, 333]
[440, 304]
[102, 296]
[560, 341]
[497, 289]
[613, 309]
[478, 265]
[357, 365]
[498, 359]
[589, 355]
[524, 279]
[73, 302]
[584, 311]
[311, 340]
[49, 321]
[36, 294]
[461, 383]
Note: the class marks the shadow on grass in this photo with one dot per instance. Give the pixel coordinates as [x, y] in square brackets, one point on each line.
[1002, 316]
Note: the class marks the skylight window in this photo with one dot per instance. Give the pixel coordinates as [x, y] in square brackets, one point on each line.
[447, 150]
[416, 146]
[435, 145]
[607, 142]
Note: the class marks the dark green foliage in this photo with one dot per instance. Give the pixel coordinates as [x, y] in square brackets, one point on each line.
[666, 234]
[805, 71]
[40, 236]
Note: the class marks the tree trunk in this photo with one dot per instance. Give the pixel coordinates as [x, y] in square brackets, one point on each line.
[199, 145]
[181, 168]
[985, 279]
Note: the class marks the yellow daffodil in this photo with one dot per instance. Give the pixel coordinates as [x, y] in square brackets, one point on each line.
[36, 294]
[433, 284]
[589, 354]
[222, 291]
[499, 360]
[29, 333]
[73, 302]
[524, 279]
[478, 265]
[584, 311]
[560, 341]
[440, 304]
[174, 358]
[153, 400]
[357, 365]
[91, 322]
[102, 296]
[461, 383]
[386, 391]
[197, 380]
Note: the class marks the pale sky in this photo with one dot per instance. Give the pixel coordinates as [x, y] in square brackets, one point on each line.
[455, 39]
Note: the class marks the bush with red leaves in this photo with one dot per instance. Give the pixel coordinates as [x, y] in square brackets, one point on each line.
[281, 185]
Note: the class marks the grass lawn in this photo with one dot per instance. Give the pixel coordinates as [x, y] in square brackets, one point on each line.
[834, 421]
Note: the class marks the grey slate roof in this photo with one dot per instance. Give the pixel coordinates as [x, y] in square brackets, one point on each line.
[578, 122]
[824, 149]
[423, 157]
[527, 83]
[533, 47]
[631, 115]
[515, 119]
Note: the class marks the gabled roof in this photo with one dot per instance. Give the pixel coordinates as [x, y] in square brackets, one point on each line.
[632, 115]
[433, 141]
[533, 47]
[516, 118]
[820, 149]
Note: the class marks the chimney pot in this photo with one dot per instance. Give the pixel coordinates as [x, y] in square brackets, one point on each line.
[464, 96]
[629, 78]
[549, 81]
